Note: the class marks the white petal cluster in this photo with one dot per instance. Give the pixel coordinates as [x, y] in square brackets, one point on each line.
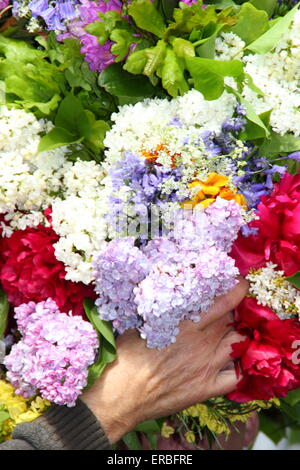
[276, 73]
[148, 124]
[270, 287]
[79, 219]
[30, 182]
[229, 46]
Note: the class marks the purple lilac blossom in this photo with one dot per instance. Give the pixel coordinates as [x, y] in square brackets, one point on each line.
[54, 13]
[257, 180]
[171, 278]
[96, 55]
[294, 156]
[143, 182]
[53, 355]
[3, 4]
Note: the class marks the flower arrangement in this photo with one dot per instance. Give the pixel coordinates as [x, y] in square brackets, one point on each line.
[172, 130]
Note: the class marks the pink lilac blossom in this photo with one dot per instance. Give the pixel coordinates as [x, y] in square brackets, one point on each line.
[53, 355]
[170, 279]
[98, 56]
[3, 4]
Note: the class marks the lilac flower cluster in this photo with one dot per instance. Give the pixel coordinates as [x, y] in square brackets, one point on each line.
[98, 56]
[154, 287]
[3, 4]
[257, 180]
[55, 13]
[53, 356]
[143, 182]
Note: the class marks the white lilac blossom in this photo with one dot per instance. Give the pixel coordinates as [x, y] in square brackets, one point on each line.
[171, 278]
[53, 355]
[31, 182]
[271, 288]
[79, 219]
[178, 124]
[28, 179]
[276, 73]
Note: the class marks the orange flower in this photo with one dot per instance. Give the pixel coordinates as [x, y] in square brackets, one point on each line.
[215, 185]
[151, 156]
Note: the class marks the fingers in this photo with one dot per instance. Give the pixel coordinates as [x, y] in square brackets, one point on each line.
[225, 303]
[226, 381]
[224, 350]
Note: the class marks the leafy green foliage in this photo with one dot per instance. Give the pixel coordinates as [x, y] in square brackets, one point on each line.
[4, 309]
[74, 124]
[208, 74]
[267, 5]
[107, 345]
[123, 84]
[30, 81]
[280, 144]
[252, 23]
[293, 397]
[270, 38]
[172, 74]
[132, 441]
[295, 280]
[147, 17]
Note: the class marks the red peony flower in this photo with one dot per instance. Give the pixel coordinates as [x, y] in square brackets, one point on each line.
[278, 235]
[30, 271]
[267, 358]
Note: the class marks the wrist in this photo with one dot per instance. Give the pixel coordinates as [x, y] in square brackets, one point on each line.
[114, 403]
[114, 422]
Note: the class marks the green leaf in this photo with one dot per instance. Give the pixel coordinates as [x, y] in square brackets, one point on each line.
[105, 26]
[292, 412]
[121, 83]
[4, 415]
[107, 345]
[30, 80]
[132, 441]
[67, 114]
[150, 426]
[268, 40]
[136, 62]
[250, 84]
[4, 309]
[209, 74]
[98, 29]
[271, 427]
[123, 40]
[93, 131]
[250, 112]
[147, 17]
[293, 396]
[280, 144]
[295, 279]
[267, 5]
[254, 131]
[74, 124]
[206, 43]
[294, 436]
[252, 23]
[152, 438]
[155, 58]
[183, 48]
[57, 137]
[172, 74]
[166, 7]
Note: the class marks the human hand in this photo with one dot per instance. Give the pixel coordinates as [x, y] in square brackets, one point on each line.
[146, 383]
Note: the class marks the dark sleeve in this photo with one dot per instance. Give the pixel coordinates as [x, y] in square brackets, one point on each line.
[60, 428]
